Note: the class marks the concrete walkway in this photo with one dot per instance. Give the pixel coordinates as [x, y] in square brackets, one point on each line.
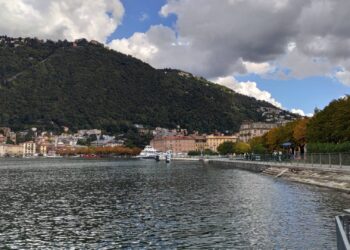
[298, 165]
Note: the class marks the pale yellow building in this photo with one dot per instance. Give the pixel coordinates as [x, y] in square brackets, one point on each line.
[29, 149]
[250, 130]
[42, 149]
[213, 141]
[11, 150]
[201, 143]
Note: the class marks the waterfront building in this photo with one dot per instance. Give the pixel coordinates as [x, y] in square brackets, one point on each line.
[249, 130]
[177, 144]
[42, 149]
[2, 150]
[213, 141]
[11, 150]
[29, 149]
[201, 143]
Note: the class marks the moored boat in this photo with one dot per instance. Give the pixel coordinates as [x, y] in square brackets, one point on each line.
[148, 153]
[168, 156]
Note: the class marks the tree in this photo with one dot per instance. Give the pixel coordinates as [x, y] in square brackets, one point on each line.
[299, 132]
[226, 148]
[332, 124]
[257, 145]
[241, 148]
[277, 136]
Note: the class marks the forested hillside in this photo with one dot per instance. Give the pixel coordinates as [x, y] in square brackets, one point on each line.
[83, 85]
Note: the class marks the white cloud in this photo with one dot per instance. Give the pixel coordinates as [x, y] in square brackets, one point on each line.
[138, 45]
[301, 112]
[343, 76]
[300, 37]
[271, 37]
[162, 48]
[247, 88]
[258, 68]
[60, 19]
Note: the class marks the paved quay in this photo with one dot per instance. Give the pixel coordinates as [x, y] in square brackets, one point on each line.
[279, 164]
[329, 176]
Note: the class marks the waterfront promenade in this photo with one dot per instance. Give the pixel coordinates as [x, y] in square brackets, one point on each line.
[323, 175]
[284, 164]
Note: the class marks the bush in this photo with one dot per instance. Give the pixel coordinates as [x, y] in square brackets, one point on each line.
[193, 153]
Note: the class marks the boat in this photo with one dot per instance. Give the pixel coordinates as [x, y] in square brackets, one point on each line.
[168, 156]
[148, 153]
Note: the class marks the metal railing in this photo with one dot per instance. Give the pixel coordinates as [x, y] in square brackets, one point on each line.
[324, 160]
[343, 231]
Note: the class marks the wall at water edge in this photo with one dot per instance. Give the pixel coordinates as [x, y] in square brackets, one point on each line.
[249, 166]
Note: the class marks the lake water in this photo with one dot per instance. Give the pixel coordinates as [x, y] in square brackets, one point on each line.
[143, 204]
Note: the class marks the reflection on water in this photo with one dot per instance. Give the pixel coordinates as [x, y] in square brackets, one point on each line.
[141, 204]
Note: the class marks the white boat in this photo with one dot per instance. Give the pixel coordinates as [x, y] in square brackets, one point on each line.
[168, 156]
[148, 153]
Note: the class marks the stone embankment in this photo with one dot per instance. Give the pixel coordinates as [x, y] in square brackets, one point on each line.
[325, 176]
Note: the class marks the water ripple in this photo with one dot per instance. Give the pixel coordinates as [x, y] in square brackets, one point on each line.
[106, 205]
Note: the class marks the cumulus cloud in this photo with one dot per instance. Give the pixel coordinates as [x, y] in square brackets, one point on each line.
[343, 76]
[247, 88]
[218, 38]
[60, 19]
[258, 68]
[300, 112]
[210, 38]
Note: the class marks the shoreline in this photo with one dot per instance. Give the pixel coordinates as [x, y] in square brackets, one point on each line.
[333, 178]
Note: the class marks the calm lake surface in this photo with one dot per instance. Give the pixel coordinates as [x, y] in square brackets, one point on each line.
[143, 204]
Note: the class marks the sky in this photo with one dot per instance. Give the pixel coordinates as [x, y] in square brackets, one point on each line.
[291, 53]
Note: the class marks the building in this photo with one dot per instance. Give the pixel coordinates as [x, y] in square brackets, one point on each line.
[184, 144]
[213, 141]
[88, 132]
[2, 139]
[159, 132]
[11, 150]
[201, 143]
[5, 131]
[177, 144]
[249, 130]
[42, 148]
[2, 150]
[29, 149]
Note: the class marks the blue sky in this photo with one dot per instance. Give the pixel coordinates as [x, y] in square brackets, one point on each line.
[302, 93]
[306, 94]
[139, 16]
[292, 53]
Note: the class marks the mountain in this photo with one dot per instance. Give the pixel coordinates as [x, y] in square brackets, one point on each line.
[82, 84]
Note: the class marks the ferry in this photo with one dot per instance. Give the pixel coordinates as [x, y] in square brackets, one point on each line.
[148, 153]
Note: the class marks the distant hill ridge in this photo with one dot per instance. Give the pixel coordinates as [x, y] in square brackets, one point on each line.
[82, 84]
